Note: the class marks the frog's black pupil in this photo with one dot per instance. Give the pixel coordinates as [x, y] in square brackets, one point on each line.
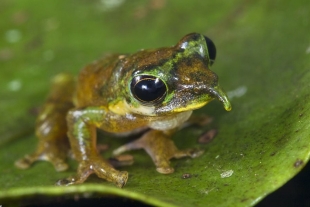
[211, 49]
[148, 89]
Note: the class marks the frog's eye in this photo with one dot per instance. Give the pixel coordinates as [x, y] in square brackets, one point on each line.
[148, 89]
[211, 49]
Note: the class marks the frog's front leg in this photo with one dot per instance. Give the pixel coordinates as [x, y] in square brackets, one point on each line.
[160, 147]
[82, 124]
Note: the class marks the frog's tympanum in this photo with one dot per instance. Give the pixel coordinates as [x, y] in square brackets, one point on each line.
[156, 89]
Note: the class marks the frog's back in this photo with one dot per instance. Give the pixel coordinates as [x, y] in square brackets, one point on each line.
[92, 80]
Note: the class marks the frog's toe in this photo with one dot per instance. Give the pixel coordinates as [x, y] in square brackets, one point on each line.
[120, 150]
[196, 153]
[163, 165]
[120, 178]
[121, 160]
[137, 144]
[165, 170]
[193, 153]
[58, 162]
[99, 167]
[105, 171]
[24, 162]
[65, 182]
[60, 165]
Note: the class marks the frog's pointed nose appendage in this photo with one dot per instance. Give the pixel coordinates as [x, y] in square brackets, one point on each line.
[221, 95]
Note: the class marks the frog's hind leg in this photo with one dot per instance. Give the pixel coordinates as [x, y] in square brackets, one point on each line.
[161, 149]
[51, 126]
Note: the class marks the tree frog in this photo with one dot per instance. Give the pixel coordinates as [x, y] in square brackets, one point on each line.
[156, 89]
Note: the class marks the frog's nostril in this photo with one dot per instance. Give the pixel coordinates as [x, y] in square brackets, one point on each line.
[196, 90]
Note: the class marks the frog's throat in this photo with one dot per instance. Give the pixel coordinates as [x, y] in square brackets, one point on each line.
[221, 96]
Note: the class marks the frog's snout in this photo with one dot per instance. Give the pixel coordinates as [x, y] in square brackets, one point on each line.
[221, 95]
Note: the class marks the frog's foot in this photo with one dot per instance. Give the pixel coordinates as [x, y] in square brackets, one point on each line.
[161, 149]
[53, 154]
[101, 168]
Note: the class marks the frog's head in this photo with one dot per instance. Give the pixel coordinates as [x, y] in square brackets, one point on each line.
[175, 79]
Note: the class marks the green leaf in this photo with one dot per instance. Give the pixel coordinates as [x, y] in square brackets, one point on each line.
[263, 63]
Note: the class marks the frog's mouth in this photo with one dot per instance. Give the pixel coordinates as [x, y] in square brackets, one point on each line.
[221, 96]
[212, 93]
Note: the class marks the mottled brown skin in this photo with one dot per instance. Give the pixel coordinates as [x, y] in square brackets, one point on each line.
[103, 98]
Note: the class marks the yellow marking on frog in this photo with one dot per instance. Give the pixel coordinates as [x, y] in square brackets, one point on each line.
[119, 108]
[122, 107]
[142, 110]
[190, 107]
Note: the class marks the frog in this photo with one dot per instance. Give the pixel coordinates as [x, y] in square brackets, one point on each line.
[152, 90]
